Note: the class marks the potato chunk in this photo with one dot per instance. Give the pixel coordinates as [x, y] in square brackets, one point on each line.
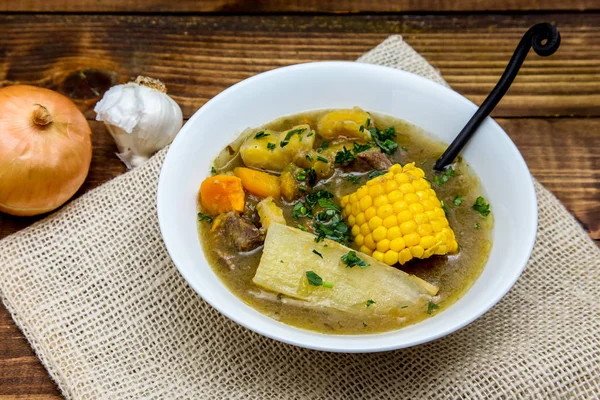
[269, 212]
[274, 150]
[345, 123]
[288, 254]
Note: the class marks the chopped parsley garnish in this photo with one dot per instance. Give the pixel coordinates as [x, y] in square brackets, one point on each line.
[476, 226]
[327, 203]
[310, 133]
[302, 228]
[404, 307]
[459, 246]
[385, 139]
[481, 207]
[289, 135]
[313, 278]
[301, 176]
[355, 180]
[431, 306]
[309, 157]
[375, 174]
[359, 148]
[361, 129]
[443, 178]
[261, 134]
[316, 280]
[368, 122]
[322, 147]
[458, 200]
[322, 159]
[351, 260]
[271, 146]
[300, 210]
[303, 188]
[369, 302]
[364, 324]
[335, 229]
[422, 162]
[444, 207]
[317, 253]
[213, 170]
[204, 217]
[404, 148]
[344, 157]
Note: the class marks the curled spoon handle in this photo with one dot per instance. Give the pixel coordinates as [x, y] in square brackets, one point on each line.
[545, 40]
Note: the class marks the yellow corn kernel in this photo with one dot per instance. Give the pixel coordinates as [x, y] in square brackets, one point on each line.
[383, 245]
[397, 244]
[379, 233]
[390, 257]
[396, 217]
[378, 255]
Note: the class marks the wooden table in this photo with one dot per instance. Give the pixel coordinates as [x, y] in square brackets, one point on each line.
[198, 49]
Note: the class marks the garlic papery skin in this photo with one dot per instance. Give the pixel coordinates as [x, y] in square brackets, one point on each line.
[141, 117]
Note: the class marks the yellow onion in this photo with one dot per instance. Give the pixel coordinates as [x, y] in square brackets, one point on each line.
[45, 150]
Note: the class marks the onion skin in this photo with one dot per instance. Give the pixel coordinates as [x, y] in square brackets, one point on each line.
[45, 150]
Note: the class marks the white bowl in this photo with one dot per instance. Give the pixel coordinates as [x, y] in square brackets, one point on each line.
[506, 182]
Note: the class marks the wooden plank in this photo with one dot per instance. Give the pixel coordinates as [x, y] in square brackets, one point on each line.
[296, 6]
[199, 56]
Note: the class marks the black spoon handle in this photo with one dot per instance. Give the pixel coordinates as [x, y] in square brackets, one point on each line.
[534, 37]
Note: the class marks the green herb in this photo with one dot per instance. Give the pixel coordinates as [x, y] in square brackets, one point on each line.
[313, 198]
[458, 200]
[300, 210]
[335, 229]
[204, 217]
[213, 170]
[309, 157]
[481, 207]
[385, 139]
[359, 148]
[444, 207]
[351, 259]
[476, 225]
[261, 134]
[302, 228]
[368, 122]
[404, 148]
[344, 157]
[322, 159]
[422, 162]
[301, 176]
[316, 280]
[364, 324]
[317, 253]
[322, 147]
[447, 174]
[355, 180]
[459, 247]
[289, 135]
[271, 146]
[303, 188]
[431, 307]
[375, 174]
[369, 302]
[310, 133]
[404, 307]
[361, 129]
[313, 278]
[327, 203]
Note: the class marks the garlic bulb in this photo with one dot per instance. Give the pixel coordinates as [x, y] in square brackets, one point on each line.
[141, 117]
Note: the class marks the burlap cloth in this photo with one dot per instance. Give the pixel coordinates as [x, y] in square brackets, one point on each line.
[103, 306]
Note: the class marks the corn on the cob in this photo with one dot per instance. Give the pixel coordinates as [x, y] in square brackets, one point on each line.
[397, 216]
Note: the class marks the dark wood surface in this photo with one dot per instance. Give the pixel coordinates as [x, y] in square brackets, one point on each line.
[551, 112]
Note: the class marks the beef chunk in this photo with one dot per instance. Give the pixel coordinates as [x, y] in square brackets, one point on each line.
[375, 159]
[241, 234]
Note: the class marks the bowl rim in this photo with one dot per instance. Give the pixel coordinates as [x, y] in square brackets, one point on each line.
[402, 74]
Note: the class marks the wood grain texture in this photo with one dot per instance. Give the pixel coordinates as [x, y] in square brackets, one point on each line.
[296, 6]
[199, 56]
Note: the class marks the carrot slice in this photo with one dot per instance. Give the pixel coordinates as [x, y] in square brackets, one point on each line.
[259, 183]
[222, 193]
